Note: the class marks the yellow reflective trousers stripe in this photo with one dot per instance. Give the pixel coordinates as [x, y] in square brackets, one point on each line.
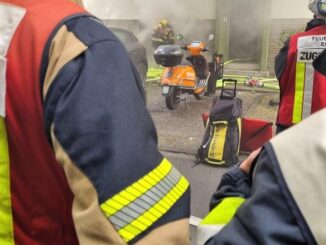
[6, 221]
[223, 212]
[136, 208]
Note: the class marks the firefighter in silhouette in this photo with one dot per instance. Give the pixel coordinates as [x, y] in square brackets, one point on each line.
[162, 34]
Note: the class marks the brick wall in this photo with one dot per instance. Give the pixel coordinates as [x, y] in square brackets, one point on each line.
[280, 30]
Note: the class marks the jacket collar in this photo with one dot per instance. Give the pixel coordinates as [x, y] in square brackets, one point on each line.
[314, 23]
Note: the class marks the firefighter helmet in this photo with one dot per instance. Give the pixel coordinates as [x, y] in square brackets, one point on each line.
[164, 22]
[318, 7]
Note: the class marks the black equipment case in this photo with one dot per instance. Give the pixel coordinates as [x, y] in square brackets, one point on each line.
[168, 55]
[221, 141]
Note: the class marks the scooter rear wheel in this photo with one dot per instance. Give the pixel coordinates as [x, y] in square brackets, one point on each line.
[172, 99]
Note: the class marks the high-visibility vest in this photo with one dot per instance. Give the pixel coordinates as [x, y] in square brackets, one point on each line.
[302, 89]
[36, 218]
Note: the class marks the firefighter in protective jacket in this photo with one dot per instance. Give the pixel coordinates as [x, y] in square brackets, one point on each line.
[302, 89]
[279, 208]
[79, 162]
[163, 34]
[264, 200]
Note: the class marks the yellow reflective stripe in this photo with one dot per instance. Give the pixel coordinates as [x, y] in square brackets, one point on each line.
[216, 147]
[134, 191]
[174, 194]
[298, 92]
[137, 207]
[157, 39]
[239, 121]
[6, 221]
[224, 212]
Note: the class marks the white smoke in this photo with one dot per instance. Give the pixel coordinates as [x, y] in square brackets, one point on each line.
[183, 15]
[192, 18]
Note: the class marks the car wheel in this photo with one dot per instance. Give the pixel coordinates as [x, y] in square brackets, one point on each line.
[142, 70]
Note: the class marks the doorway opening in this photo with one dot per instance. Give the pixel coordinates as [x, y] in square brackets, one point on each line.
[245, 38]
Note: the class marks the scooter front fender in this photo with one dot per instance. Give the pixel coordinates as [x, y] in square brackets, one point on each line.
[179, 76]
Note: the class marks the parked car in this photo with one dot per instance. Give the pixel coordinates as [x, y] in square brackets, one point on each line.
[136, 50]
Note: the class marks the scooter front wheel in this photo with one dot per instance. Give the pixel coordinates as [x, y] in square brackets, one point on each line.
[172, 99]
[200, 95]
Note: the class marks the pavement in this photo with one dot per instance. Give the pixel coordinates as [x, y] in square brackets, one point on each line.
[181, 130]
[180, 134]
[203, 182]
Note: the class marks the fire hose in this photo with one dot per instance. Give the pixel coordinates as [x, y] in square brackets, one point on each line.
[154, 74]
[253, 83]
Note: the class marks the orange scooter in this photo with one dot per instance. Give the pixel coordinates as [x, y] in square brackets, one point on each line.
[193, 76]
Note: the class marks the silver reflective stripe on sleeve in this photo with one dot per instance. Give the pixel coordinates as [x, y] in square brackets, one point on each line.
[136, 208]
[10, 17]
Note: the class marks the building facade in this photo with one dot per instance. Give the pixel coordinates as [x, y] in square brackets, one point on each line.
[248, 32]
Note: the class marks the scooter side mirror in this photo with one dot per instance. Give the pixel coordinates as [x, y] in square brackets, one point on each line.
[210, 37]
[179, 37]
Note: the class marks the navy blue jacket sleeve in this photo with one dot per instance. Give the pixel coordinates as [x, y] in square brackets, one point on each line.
[97, 107]
[234, 183]
[265, 218]
[281, 60]
[320, 63]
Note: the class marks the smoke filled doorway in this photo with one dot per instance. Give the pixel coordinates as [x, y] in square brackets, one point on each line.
[245, 28]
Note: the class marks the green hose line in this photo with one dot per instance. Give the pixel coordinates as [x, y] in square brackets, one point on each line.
[153, 79]
[228, 62]
[268, 80]
[271, 86]
[268, 83]
[235, 76]
[154, 74]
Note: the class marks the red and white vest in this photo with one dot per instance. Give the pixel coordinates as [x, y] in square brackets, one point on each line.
[35, 199]
[303, 90]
